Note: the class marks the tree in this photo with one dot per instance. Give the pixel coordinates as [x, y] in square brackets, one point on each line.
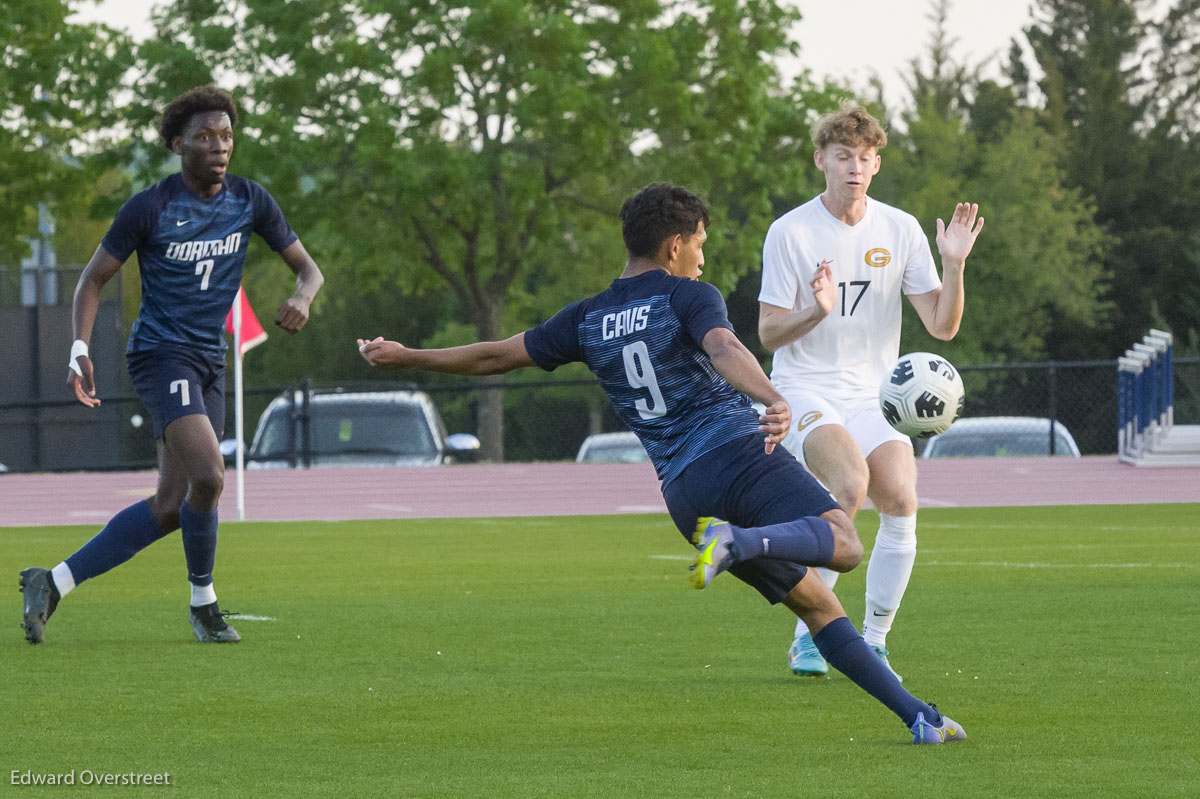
[1036, 269]
[1119, 89]
[482, 147]
[55, 84]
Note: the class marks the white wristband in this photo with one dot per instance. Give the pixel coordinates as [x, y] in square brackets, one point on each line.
[77, 349]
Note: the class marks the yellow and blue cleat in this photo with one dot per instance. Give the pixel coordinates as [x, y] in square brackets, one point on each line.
[713, 538]
[927, 733]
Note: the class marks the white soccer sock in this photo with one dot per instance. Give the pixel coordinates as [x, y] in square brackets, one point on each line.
[830, 578]
[203, 595]
[64, 581]
[888, 571]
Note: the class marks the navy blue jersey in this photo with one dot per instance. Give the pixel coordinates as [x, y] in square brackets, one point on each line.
[191, 251]
[641, 337]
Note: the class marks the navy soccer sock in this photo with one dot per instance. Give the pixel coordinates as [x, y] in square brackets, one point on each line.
[199, 532]
[126, 534]
[846, 650]
[808, 541]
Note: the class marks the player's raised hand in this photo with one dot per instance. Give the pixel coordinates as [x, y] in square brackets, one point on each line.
[954, 241]
[822, 286]
[776, 422]
[293, 313]
[83, 384]
[381, 354]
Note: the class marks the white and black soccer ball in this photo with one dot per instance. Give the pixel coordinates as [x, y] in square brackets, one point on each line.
[922, 395]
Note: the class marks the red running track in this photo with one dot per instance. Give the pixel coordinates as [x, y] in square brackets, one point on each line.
[562, 489]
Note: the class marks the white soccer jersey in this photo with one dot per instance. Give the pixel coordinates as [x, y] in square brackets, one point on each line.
[847, 354]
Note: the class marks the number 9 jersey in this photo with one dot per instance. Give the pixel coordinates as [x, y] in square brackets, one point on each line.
[191, 251]
[642, 338]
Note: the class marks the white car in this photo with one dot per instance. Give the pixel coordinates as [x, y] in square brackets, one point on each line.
[354, 428]
[1001, 435]
[612, 448]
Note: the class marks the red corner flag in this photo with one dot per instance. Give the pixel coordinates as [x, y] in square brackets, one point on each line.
[252, 332]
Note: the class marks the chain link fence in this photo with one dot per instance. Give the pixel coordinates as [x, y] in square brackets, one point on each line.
[548, 420]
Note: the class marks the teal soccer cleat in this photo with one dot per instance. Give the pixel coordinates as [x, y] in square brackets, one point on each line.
[713, 538]
[883, 655]
[926, 733]
[804, 659]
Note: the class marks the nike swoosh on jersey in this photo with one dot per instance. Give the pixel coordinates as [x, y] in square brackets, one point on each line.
[181, 224]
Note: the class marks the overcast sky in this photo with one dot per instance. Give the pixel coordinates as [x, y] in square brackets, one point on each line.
[848, 40]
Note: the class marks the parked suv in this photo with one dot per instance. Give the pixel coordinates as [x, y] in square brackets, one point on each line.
[355, 428]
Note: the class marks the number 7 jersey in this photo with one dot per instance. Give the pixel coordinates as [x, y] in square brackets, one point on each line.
[191, 251]
[846, 355]
[642, 338]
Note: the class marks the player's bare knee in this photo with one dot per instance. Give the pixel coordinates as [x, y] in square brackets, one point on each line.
[851, 491]
[206, 487]
[847, 546]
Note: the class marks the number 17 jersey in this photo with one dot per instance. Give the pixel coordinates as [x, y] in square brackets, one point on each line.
[846, 355]
[642, 338]
[191, 251]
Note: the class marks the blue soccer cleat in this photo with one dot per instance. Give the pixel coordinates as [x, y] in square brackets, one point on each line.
[804, 659]
[927, 733]
[714, 539]
[883, 655]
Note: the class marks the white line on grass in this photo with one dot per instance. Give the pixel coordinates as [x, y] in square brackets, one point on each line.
[1053, 547]
[249, 617]
[1012, 565]
[988, 526]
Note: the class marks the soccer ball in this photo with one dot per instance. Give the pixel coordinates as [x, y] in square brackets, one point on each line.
[922, 395]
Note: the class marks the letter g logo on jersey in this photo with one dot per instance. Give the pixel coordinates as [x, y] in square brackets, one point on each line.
[878, 257]
[808, 418]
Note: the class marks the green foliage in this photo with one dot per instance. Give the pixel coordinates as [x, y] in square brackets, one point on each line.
[479, 150]
[1034, 279]
[1036, 265]
[1120, 91]
[56, 80]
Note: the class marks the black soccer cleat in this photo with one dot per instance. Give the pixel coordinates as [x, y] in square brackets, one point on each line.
[210, 627]
[41, 598]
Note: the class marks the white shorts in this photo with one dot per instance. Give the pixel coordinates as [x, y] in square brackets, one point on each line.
[862, 418]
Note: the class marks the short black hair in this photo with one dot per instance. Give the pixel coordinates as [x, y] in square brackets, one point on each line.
[658, 212]
[197, 101]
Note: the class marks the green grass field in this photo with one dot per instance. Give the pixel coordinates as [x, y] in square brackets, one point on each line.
[571, 658]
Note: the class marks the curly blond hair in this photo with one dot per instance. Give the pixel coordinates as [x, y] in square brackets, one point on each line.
[852, 126]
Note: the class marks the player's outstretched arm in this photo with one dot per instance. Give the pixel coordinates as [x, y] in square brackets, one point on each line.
[293, 313]
[941, 309]
[481, 358]
[739, 367]
[81, 379]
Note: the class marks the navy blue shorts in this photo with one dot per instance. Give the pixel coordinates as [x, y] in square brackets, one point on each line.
[173, 382]
[741, 484]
